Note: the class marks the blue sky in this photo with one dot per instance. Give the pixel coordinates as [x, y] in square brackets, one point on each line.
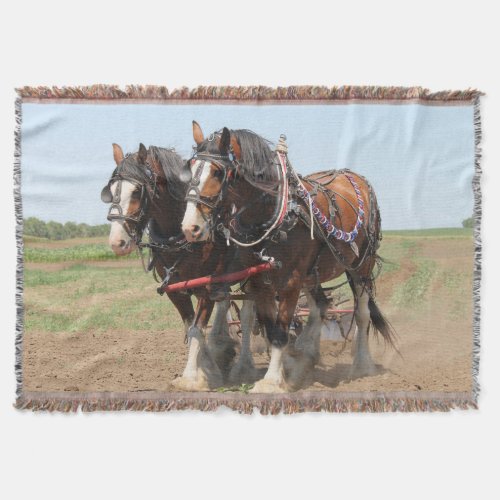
[420, 159]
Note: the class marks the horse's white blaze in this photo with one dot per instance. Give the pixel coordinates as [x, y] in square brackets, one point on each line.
[194, 226]
[119, 240]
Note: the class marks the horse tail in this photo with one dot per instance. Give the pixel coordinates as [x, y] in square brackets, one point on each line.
[381, 324]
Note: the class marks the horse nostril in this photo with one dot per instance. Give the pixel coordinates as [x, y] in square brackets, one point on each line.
[121, 244]
[195, 229]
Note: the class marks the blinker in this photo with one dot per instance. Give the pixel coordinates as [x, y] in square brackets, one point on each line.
[185, 174]
[106, 195]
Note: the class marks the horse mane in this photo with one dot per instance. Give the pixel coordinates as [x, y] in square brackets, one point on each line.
[131, 168]
[256, 157]
[172, 164]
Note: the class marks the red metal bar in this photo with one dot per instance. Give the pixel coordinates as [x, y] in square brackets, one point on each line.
[305, 311]
[302, 313]
[222, 278]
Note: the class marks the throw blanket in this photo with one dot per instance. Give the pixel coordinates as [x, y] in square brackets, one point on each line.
[286, 250]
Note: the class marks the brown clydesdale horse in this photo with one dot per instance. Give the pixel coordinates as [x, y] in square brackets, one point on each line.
[236, 187]
[146, 191]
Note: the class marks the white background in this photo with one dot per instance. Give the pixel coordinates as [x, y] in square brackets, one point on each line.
[435, 44]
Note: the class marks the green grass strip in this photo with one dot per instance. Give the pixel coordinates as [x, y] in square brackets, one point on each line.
[91, 252]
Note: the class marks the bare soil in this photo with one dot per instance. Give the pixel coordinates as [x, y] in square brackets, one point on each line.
[434, 338]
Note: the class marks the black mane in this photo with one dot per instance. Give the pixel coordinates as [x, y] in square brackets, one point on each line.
[170, 161]
[131, 168]
[172, 165]
[256, 155]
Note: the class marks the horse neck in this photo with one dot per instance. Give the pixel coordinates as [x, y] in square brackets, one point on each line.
[257, 211]
[167, 212]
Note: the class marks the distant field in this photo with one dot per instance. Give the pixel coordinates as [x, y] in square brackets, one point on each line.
[77, 249]
[452, 232]
[97, 248]
[83, 305]
[80, 272]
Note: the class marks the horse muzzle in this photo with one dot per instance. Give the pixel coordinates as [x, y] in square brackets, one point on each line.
[120, 241]
[195, 232]
[122, 247]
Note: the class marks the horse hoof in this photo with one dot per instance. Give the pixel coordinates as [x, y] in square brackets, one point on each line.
[300, 370]
[223, 353]
[191, 384]
[266, 386]
[242, 372]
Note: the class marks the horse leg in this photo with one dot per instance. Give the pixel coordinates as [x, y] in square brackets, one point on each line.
[363, 364]
[184, 306]
[244, 369]
[201, 372]
[308, 341]
[220, 344]
[306, 353]
[277, 334]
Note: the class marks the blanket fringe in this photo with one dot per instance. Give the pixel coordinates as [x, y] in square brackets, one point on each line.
[20, 249]
[476, 291]
[286, 404]
[246, 404]
[246, 93]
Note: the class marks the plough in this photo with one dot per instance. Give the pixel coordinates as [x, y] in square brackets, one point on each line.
[334, 314]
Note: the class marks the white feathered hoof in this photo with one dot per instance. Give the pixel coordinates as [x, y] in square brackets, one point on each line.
[269, 386]
[203, 379]
[201, 372]
[198, 383]
[243, 371]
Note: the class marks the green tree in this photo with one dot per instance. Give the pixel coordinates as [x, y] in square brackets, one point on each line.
[57, 231]
[71, 230]
[468, 222]
[35, 227]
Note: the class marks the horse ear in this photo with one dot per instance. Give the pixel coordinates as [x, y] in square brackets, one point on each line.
[197, 133]
[225, 140]
[117, 154]
[235, 146]
[142, 154]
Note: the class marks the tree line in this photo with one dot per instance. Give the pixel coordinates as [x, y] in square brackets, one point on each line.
[57, 231]
[468, 222]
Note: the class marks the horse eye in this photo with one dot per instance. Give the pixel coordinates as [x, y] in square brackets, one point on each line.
[218, 174]
[136, 194]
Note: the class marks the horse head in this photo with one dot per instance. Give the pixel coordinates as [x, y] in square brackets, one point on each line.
[227, 173]
[207, 174]
[130, 191]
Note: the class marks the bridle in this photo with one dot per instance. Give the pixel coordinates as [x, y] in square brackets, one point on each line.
[226, 164]
[134, 224]
[137, 223]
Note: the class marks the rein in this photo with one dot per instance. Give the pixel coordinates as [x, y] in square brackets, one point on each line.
[165, 243]
[281, 212]
[149, 192]
[193, 194]
[319, 222]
